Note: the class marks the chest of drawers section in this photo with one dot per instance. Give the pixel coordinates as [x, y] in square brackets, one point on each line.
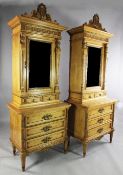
[99, 120]
[44, 129]
[92, 120]
[38, 129]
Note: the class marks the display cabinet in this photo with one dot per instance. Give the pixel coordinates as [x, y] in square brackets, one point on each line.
[92, 112]
[38, 119]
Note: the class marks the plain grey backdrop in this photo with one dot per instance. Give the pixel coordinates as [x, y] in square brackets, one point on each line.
[70, 13]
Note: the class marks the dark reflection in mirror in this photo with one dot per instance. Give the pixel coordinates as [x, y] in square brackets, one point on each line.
[93, 70]
[39, 64]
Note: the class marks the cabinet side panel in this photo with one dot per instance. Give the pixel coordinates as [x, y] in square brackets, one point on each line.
[76, 64]
[77, 121]
[15, 62]
[15, 129]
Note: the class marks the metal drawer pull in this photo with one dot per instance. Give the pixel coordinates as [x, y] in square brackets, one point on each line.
[47, 139]
[47, 117]
[100, 110]
[46, 128]
[100, 130]
[100, 120]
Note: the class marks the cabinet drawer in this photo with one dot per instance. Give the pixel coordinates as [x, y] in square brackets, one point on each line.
[100, 111]
[42, 117]
[99, 94]
[99, 130]
[42, 129]
[48, 97]
[99, 121]
[44, 141]
[88, 96]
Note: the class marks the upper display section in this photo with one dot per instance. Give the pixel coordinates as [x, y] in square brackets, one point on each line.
[89, 45]
[36, 56]
[95, 23]
[40, 13]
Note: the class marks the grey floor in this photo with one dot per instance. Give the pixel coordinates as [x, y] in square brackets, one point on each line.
[102, 157]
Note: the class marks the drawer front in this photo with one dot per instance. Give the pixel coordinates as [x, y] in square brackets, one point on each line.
[48, 97]
[88, 96]
[100, 111]
[99, 130]
[42, 117]
[99, 121]
[99, 94]
[43, 129]
[45, 141]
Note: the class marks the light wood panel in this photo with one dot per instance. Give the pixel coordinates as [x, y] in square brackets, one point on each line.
[38, 119]
[92, 113]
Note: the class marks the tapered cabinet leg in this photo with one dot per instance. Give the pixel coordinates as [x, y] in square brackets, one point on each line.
[111, 136]
[66, 145]
[84, 149]
[14, 150]
[23, 160]
[68, 141]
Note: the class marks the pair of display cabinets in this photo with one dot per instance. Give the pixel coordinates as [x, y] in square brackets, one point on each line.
[38, 119]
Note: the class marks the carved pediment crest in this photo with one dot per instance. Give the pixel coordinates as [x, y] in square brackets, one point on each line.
[95, 23]
[40, 13]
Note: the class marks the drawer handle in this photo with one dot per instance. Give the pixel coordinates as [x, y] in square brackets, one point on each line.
[100, 130]
[47, 117]
[100, 120]
[100, 110]
[47, 139]
[46, 128]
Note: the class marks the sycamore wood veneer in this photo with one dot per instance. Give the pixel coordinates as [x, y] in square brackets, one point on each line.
[38, 119]
[92, 113]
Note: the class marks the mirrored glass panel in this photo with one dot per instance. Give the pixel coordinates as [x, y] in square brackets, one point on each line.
[93, 69]
[39, 64]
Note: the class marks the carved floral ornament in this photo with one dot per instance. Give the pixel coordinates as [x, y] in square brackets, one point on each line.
[95, 23]
[22, 38]
[40, 13]
[35, 28]
[95, 36]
